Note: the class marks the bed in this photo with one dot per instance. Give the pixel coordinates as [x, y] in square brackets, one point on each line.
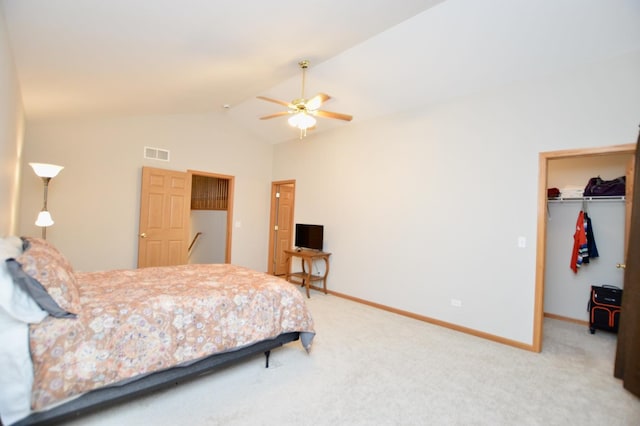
[72, 342]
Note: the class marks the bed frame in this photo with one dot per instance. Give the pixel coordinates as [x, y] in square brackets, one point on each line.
[110, 395]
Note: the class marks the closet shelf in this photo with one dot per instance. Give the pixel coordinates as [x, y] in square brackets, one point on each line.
[581, 199]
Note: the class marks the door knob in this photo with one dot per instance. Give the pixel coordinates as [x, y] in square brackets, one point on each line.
[143, 235]
[621, 265]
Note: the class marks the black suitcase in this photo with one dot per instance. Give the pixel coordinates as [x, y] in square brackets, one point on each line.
[604, 308]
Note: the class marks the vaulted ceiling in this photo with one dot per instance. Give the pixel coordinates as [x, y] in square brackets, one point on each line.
[96, 58]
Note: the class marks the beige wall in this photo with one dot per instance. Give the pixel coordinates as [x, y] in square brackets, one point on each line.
[576, 172]
[94, 201]
[427, 206]
[11, 130]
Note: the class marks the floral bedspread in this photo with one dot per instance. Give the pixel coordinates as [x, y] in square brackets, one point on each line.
[138, 321]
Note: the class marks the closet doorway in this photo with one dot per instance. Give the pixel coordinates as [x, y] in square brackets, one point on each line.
[541, 261]
[211, 217]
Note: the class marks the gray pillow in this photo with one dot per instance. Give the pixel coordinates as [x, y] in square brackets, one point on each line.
[34, 289]
[25, 244]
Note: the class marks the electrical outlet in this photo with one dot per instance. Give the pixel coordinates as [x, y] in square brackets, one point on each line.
[522, 242]
[456, 303]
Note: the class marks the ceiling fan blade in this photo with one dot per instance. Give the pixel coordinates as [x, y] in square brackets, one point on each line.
[329, 114]
[274, 115]
[277, 101]
[315, 102]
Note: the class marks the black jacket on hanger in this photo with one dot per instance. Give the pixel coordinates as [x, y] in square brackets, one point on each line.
[592, 249]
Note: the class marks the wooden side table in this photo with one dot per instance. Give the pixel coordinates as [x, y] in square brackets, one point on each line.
[306, 276]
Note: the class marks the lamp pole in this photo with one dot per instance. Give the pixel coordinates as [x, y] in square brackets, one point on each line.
[44, 207]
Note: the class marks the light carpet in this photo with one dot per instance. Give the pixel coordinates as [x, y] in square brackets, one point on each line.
[371, 367]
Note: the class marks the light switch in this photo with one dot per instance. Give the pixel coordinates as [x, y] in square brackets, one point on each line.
[522, 242]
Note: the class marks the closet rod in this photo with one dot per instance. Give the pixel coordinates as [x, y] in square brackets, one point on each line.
[582, 199]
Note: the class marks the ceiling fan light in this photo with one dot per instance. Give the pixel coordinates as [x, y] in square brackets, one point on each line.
[302, 121]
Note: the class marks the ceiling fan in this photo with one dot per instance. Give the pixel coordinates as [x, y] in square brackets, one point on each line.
[303, 111]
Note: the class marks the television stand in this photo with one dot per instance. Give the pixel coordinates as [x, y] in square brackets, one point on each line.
[306, 276]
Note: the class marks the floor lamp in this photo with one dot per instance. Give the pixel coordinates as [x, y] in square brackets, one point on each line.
[46, 172]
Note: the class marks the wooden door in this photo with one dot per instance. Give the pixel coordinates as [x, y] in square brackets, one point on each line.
[165, 200]
[281, 225]
[627, 365]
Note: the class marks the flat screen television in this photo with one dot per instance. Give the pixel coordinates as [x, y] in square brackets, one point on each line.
[309, 236]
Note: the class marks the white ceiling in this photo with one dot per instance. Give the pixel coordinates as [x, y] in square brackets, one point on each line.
[97, 57]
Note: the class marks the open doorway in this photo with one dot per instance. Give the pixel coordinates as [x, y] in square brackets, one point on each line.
[211, 217]
[541, 261]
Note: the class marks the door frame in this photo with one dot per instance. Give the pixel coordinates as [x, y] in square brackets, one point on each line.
[541, 238]
[273, 219]
[231, 179]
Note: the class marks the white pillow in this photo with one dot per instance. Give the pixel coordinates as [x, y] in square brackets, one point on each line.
[16, 379]
[17, 310]
[13, 300]
[10, 247]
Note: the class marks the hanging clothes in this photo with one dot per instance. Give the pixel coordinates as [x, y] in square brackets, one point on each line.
[580, 249]
[592, 249]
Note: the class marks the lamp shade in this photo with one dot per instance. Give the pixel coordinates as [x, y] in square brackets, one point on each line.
[46, 170]
[302, 121]
[44, 219]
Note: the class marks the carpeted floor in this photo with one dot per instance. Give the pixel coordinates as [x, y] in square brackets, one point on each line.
[370, 367]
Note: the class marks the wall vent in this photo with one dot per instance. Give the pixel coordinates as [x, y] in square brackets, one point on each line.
[152, 153]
